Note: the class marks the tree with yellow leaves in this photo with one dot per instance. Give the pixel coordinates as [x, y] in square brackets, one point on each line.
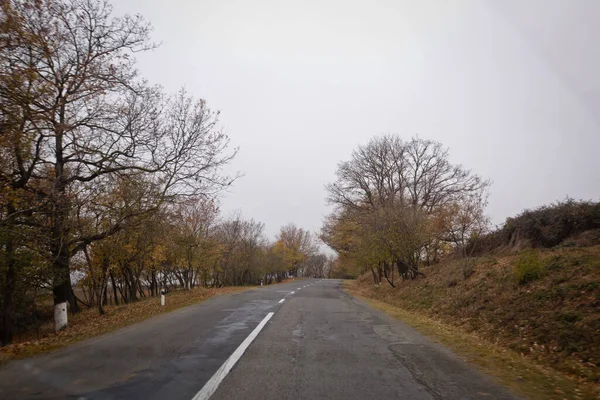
[294, 245]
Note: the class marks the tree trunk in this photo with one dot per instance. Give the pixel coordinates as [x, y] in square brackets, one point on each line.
[379, 272]
[140, 288]
[103, 294]
[386, 268]
[375, 280]
[153, 284]
[62, 290]
[131, 284]
[180, 276]
[402, 268]
[114, 287]
[124, 295]
[95, 295]
[60, 234]
[101, 301]
[8, 308]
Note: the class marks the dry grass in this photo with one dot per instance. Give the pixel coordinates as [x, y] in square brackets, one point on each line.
[554, 319]
[551, 318]
[520, 374]
[89, 323]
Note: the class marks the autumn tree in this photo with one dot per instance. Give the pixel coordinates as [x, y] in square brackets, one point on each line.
[386, 198]
[195, 220]
[294, 245]
[464, 220]
[90, 119]
[242, 241]
[18, 239]
[275, 267]
[351, 235]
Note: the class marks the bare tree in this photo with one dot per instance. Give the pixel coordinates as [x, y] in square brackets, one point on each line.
[242, 241]
[194, 222]
[390, 171]
[388, 193]
[375, 175]
[315, 266]
[464, 220]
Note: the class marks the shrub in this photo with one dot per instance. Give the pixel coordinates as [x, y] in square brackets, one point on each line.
[568, 317]
[528, 267]
[545, 227]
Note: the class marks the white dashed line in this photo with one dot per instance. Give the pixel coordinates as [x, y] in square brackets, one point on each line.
[281, 301]
[299, 288]
[292, 292]
[211, 386]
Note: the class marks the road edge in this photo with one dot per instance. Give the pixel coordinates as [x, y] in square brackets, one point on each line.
[513, 371]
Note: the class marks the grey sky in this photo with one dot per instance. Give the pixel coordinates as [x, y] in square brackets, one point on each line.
[512, 87]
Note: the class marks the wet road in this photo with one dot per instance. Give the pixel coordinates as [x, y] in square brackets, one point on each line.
[302, 340]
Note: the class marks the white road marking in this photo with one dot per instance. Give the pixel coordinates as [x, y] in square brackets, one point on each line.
[292, 292]
[281, 301]
[299, 288]
[213, 383]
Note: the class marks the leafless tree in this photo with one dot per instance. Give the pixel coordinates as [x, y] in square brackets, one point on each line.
[242, 242]
[315, 266]
[194, 222]
[388, 170]
[389, 193]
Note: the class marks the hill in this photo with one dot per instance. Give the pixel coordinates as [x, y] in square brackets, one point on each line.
[533, 288]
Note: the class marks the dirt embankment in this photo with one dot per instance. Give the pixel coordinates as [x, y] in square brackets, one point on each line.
[543, 304]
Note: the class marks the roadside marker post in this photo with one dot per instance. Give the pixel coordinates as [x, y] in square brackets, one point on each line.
[162, 296]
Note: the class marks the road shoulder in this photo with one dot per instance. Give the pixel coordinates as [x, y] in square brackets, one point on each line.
[520, 375]
[89, 324]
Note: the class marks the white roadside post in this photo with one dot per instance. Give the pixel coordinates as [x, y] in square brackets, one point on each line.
[60, 316]
[162, 296]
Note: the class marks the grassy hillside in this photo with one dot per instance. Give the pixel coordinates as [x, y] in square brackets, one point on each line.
[541, 303]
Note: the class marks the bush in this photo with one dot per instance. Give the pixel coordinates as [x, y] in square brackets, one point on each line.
[528, 267]
[545, 227]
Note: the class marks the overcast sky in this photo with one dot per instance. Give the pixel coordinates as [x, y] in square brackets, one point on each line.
[511, 87]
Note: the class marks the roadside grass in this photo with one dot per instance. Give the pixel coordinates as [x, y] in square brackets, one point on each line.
[516, 372]
[88, 323]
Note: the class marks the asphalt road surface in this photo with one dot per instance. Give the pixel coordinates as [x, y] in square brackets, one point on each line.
[301, 340]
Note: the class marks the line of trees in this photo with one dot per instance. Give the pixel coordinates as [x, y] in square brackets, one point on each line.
[108, 184]
[399, 204]
[88, 147]
[186, 245]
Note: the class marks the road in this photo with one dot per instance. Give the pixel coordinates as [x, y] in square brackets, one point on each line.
[311, 340]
